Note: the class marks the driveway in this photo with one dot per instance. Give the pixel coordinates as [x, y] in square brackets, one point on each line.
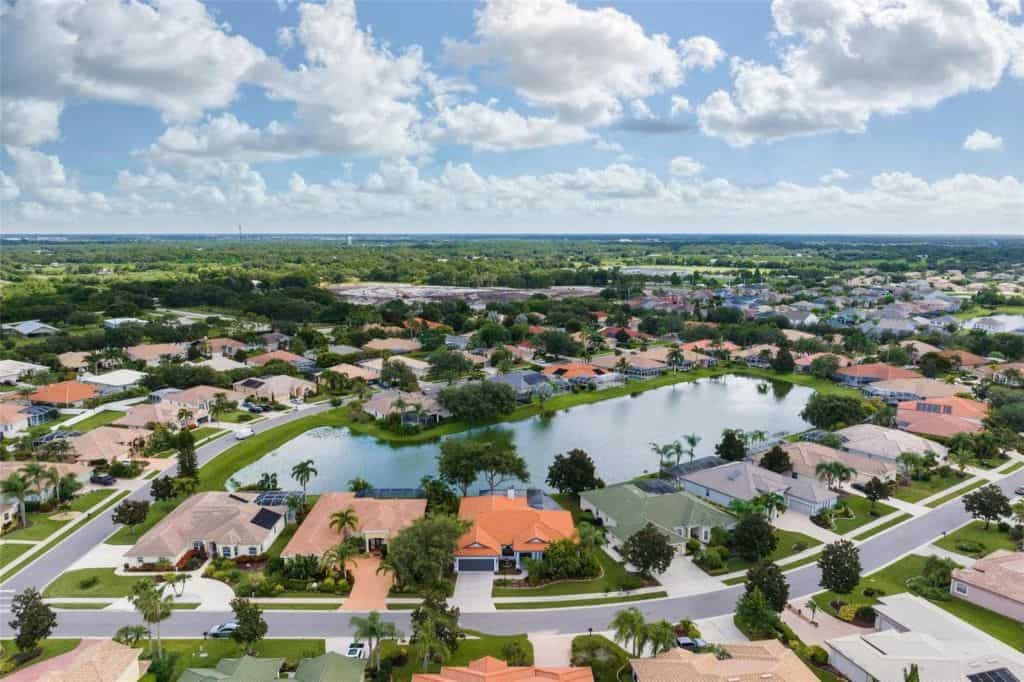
[473, 591]
[370, 592]
[801, 523]
[684, 577]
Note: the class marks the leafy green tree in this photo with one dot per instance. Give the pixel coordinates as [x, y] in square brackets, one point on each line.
[501, 463]
[767, 577]
[826, 411]
[756, 614]
[934, 365]
[162, 488]
[447, 365]
[188, 464]
[479, 401]
[731, 447]
[131, 513]
[17, 487]
[777, 460]
[649, 550]
[458, 462]
[840, 566]
[251, 625]
[441, 499]
[573, 473]
[824, 366]
[398, 375]
[435, 628]
[754, 538]
[989, 503]
[33, 620]
[876, 490]
[783, 361]
[421, 554]
[358, 485]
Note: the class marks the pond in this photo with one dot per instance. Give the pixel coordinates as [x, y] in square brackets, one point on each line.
[616, 433]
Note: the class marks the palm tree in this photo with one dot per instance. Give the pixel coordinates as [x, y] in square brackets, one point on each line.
[374, 629]
[661, 637]
[267, 481]
[219, 404]
[962, 458]
[812, 606]
[303, 472]
[665, 454]
[17, 487]
[184, 416]
[51, 477]
[35, 473]
[911, 462]
[184, 486]
[628, 626]
[833, 473]
[155, 607]
[675, 358]
[176, 581]
[590, 537]
[428, 640]
[344, 520]
[692, 441]
[130, 635]
[68, 484]
[622, 366]
[338, 557]
[772, 503]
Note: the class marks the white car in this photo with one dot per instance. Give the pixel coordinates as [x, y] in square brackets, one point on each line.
[357, 650]
[242, 434]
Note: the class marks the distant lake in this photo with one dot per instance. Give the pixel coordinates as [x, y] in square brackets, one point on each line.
[617, 433]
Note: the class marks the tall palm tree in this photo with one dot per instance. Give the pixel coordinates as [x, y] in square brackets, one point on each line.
[665, 453]
[675, 358]
[628, 627]
[660, 636]
[176, 581]
[374, 629]
[962, 458]
[590, 537]
[911, 462]
[304, 472]
[17, 487]
[692, 441]
[155, 607]
[35, 474]
[51, 477]
[772, 503]
[338, 557]
[834, 474]
[344, 520]
[622, 366]
[432, 645]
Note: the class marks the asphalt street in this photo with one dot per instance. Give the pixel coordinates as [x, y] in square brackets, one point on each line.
[875, 553]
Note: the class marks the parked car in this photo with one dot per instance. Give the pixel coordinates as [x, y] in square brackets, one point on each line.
[223, 630]
[242, 434]
[690, 644]
[357, 650]
[101, 479]
[1019, 490]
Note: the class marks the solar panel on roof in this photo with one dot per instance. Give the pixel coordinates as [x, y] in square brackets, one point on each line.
[656, 486]
[274, 498]
[265, 518]
[997, 675]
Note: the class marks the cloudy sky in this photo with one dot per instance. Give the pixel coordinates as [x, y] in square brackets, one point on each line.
[823, 116]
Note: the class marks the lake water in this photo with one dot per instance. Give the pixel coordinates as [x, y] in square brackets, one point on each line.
[616, 433]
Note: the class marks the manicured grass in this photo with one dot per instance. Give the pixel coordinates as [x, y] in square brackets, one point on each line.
[129, 536]
[476, 645]
[890, 580]
[571, 503]
[68, 584]
[87, 501]
[999, 626]
[992, 539]
[79, 606]
[895, 521]
[606, 659]
[615, 578]
[99, 419]
[918, 490]
[985, 312]
[282, 540]
[1013, 466]
[939, 501]
[40, 526]
[11, 551]
[789, 544]
[402, 607]
[50, 648]
[332, 606]
[187, 652]
[570, 603]
[206, 432]
[861, 507]
[232, 417]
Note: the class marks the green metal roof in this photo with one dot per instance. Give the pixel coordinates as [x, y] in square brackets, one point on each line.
[632, 509]
[245, 669]
[330, 667]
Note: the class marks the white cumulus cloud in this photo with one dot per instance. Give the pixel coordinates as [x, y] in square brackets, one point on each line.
[982, 140]
[684, 166]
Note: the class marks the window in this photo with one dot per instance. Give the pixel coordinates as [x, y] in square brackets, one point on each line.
[226, 551]
[959, 587]
[252, 551]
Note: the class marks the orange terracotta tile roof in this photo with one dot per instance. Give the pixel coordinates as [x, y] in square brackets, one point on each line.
[941, 417]
[64, 393]
[500, 521]
[879, 371]
[315, 536]
[709, 344]
[490, 669]
[571, 370]
[966, 359]
[283, 355]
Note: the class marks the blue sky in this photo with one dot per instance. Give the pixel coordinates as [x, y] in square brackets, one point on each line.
[513, 115]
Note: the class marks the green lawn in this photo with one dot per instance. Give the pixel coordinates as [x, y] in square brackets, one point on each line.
[918, 490]
[40, 526]
[99, 419]
[88, 500]
[895, 521]
[985, 312]
[890, 580]
[992, 539]
[790, 543]
[10, 552]
[571, 603]
[939, 501]
[999, 626]
[606, 659]
[615, 578]
[50, 647]
[68, 584]
[476, 645]
[79, 606]
[1010, 468]
[157, 510]
[187, 651]
[206, 432]
[332, 606]
[861, 507]
[572, 504]
[233, 416]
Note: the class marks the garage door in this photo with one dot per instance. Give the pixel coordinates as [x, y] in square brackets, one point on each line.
[476, 565]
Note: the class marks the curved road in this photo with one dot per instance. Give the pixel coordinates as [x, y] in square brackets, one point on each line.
[874, 553]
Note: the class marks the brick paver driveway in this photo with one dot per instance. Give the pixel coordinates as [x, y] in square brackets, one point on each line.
[370, 591]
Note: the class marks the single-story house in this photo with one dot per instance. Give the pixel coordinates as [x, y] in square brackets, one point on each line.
[223, 346]
[711, 346]
[394, 345]
[115, 322]
[911, 630]
[918, 348]
[301, 363]
[109, 443]
[31, 329]
[412, 408]
[527, 384]
[201, 398]
[275, 340]
[378, 520]
[490, 669]
[244, 669]
[637, 364]
[765, 661]
[16, 418]
[12, 371]
[419, 368]
[624, 509]
[10, 514]
[218, 523]
[806, 456]
[220, 363]
[745, 481]
[522, 352]
[794, 335]
[898, 390]
[759, 355]
[505, 527]
[165, 414]
[330, 667]
[457, 341]
[114, 382]
[882, 443]
[581, 373]
[154, 353]
[79, 471]
[804, 362]
[74, 359]
[858, 375]
[93, 660]
[352, 372]
[64, 393]
[1010, 373]
[942, 417]
[965, 359]
[275, 388]
[995, 583]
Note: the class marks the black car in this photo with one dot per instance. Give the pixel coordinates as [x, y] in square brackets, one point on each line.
[101, 479]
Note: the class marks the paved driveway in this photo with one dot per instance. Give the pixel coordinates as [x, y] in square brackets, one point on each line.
[370, 592]
[473, 591]
[684, 577]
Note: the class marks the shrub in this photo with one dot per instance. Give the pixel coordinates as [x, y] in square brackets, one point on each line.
[692, 546]
[342, 586]
[847, 612]
[1003, 527]
[1017, 533]
[799, 546]
[866, 613]
[970, 546]
[91, 581]
[516, 653]
[921, 586]
[817, 655]
[719, 537]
